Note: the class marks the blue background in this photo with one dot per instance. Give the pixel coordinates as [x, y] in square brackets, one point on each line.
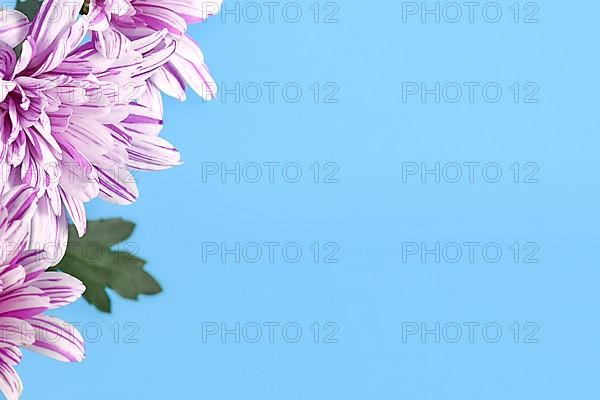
[368, 134]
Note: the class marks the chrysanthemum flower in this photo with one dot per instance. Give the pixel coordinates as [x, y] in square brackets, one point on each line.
[72, 122]
[115, 22]
[26, 291]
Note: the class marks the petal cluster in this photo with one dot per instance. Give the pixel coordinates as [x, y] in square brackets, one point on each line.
[116, 22]
[80, 111]
[74, 122]
[27, 290]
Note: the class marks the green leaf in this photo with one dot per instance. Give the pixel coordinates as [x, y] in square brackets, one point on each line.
[92, 260]
[28, 7]
[108, 232]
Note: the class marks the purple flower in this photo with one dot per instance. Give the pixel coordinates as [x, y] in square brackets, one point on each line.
[115, 22]
[74, 123]
[26, 291]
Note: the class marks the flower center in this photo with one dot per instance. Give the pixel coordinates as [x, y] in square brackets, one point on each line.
[85, 9]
